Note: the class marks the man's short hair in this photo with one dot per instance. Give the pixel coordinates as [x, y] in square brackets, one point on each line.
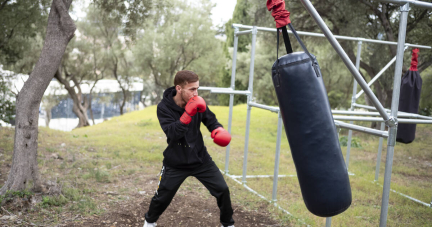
[184, 77]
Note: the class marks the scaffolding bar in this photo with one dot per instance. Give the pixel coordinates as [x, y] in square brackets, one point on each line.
[229, 91]
[264, 198]
[249, 99]
[312, 11]
[353, 100]
[271, 108]
[361, 113]
[231, 101]
[212, 88]
[371, 131]
[277, 156]
[412, 2]
[391, 142]
[328, 222]
[336, 36]
[378, 119]
[399, 112]
[379, 74]
[377, 168]
[243, 33]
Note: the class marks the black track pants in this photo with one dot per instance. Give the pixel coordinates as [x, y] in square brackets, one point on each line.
[171, 179]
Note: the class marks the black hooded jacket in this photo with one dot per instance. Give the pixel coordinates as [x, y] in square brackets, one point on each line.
[185, 142]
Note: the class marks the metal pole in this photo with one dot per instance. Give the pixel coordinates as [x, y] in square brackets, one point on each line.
[341, 37]
[413, 2]
[242, 32]
[231, 101]
[392, 123]
[353, 100]
[379, 119]
[251, 73]
[359, 128]
[379, 153]
[271, 108]
[363, 113]
[229, 91]
[404, 114]
[328, 222]
[310, 8]
[379, 74]
[276, 167]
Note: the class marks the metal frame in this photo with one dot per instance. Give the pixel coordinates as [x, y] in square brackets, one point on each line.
[389, 117]
[391, 120]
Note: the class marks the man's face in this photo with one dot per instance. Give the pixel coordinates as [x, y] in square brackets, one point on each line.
[189, 90]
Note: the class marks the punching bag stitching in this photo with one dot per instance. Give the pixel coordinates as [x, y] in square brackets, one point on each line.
[293, 63]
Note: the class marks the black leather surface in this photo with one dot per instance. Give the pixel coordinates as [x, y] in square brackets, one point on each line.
[312, 135]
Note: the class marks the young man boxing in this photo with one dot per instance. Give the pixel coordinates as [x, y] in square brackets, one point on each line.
[180, 114]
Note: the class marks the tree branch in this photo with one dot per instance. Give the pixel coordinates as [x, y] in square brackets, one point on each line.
[425, 64]
[3, 4]
[414, 23]
[67, 24]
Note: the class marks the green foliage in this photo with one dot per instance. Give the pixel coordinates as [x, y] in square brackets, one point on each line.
[48, 201]
[145, 123]
[98, 175]
[180, 37]
[10, 195]
[130, 14]
[51, 149]
[80, 200]
[20, 22]
[7, 102]
[76, 199]
[426, 93]
[226, 82]
[337, 99]
[355, 142]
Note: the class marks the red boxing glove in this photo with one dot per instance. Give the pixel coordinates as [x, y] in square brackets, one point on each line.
[221, 137]
[194, 105]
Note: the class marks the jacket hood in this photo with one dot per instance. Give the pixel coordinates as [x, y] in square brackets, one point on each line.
[168, 99]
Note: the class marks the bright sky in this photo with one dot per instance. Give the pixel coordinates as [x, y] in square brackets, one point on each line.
[221, 13]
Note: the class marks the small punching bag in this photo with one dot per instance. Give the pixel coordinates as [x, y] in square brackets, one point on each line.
[409, 100]
[309, 126]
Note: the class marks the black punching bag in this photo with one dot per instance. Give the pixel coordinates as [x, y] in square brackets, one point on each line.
[409, 100]
[311, 131]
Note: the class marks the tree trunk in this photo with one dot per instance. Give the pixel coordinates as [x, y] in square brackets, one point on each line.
[124, 101]
[48, 117]
[90, 108]
[143, 100]
[81, 113]
[79, 109]
[124, 91]
[60, 31]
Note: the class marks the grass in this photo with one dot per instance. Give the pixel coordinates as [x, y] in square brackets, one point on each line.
[133, 143]
[10, 195]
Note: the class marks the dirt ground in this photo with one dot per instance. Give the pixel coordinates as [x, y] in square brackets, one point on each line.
[188, 208]
[192, 206]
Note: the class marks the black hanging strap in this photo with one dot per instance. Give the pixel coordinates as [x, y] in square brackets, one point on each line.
[288, 43]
